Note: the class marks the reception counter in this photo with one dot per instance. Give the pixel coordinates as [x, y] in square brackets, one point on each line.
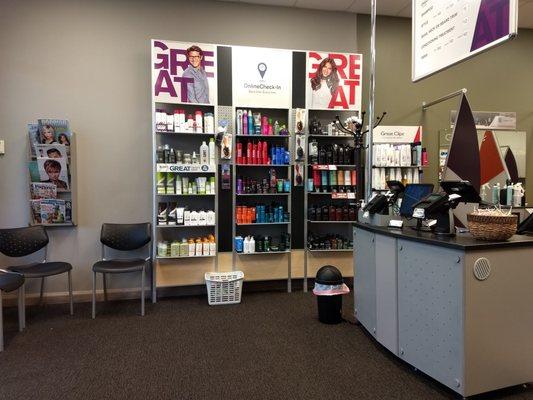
[458, 309]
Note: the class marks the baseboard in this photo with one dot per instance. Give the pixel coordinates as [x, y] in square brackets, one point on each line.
[85, 296]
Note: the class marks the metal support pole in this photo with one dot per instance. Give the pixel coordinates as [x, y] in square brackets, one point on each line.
[459, 92]
[368, 164]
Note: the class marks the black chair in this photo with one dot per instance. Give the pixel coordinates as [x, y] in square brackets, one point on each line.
[123, 237]
[21, 242]
[10, 281]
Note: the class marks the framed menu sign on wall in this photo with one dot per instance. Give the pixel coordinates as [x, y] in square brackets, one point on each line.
[446, 32]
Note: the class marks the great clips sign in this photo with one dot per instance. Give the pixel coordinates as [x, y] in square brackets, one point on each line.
[333, 81]
[397, 134]
[183, 72]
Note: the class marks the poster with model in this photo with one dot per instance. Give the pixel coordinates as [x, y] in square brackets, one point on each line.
[333, 81]
[50, 170]
[261, 77]
[184, 72]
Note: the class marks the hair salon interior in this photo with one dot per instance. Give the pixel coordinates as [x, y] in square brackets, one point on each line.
[266, 199]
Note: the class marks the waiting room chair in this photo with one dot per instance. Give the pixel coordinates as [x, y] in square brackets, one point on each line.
[10, 281]
[21, 242]
[123, 237]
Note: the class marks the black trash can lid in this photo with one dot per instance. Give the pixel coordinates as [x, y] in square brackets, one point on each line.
[329, 275]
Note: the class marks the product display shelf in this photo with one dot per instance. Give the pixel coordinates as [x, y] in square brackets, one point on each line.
[67, 195]
[187, 142]
[330, 250]
[312, 197]
[261, 171]
[264, 253]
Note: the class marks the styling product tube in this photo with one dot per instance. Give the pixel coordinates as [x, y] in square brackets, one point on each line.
[347, 179]
[316, 180]
[179, 215]
[333, 181]
[353, 177]
[265, 153]
[201, 182]
[186, 217]
[161, 183]
[212, 154]
[270, 130]
[185, 185]
[213, 185]
[264, 125]
[340, 181]
[239, 122]
[249, 150]
[171, 183]
[257, 124]
[250, 123]
[244, 123]
[324, 181]
[239, 153]
[254, 153]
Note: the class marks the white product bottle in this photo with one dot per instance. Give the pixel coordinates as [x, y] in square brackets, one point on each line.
[212, 248]
[246, 247]
[210, 217]
[518, 193]
[199, 248]
[194, 218]
[199, 121]
[251, 245]
[212, 153]
[204, 153]
[239, 122]
[186, 217]
[192, 248]
[205, 247]
[202, 218]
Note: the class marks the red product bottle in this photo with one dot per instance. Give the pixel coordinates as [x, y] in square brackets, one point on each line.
[353, 179]
[248, 153]
[254, 153]
[265, 153]
[316, 180]
[239, 153]
[259, 152]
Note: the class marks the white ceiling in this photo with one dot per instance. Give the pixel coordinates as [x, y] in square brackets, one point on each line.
[396, 8]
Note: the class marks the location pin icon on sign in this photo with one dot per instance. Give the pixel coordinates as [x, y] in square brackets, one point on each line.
[262, 68]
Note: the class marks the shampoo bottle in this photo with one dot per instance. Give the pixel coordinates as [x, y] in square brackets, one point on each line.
[212, 151]
[250, 123]
[204, 153]
[496, 194]
[244, 130]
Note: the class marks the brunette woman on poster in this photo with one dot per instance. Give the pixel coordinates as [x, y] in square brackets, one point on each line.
[324, 84]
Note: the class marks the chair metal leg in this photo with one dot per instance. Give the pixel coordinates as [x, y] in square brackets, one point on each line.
[70, 293]
[1, 324]
[94, 295]
[21, 308]
[142, 292]
[42, 292]
[105, 287]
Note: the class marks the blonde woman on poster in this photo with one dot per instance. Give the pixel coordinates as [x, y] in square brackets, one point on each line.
[324, 84]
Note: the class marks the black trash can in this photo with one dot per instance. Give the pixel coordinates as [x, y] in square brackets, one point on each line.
[329, 306]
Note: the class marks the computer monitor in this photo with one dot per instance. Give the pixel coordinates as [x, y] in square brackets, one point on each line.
[413, 193]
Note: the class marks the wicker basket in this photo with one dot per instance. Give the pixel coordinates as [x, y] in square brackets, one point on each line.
[492, 227]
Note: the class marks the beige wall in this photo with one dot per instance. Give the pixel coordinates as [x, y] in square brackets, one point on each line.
[498, 80]
[89, 62]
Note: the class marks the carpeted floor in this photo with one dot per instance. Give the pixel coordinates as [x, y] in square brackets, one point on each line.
[269, 347]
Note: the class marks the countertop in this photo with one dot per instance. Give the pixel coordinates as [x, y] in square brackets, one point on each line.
[462, 241]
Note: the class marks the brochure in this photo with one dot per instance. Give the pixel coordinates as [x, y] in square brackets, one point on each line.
[43, 190]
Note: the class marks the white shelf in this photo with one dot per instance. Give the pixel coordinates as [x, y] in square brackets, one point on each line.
[398, 166]
[184, 195]
[187, 168]
[58, 224]
[178, 257]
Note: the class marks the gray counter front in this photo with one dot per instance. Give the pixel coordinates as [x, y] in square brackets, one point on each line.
[458, 309]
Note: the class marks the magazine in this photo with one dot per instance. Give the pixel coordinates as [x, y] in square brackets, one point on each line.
[33, 135]
[35, 208]
[51, 170]
[51, 151]
[40, 190]
[53, 211]
[54, 131]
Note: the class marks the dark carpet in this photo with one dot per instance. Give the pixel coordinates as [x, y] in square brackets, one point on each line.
[269, 347]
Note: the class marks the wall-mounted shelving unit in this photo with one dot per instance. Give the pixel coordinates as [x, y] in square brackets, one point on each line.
[333, 195]
[255, 166]
[187, 142]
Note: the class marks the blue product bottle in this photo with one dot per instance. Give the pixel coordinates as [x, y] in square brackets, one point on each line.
[273, 159]
[250, 123]
[238, 244]
[287, 157]
[279, 155]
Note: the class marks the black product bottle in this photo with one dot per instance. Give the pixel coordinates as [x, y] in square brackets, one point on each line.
[340, 154]
[160, 154]
[172, 157]
[318, 214]
[332, 215]
[347, 153]
[329, 155]
[325, 213]
[311, 213]
[321, 155]
[345, 213]
[335, 153]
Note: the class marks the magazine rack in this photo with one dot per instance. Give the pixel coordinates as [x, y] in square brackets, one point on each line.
[61, 207]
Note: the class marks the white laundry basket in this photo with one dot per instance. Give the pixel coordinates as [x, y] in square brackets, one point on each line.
[224, 287]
